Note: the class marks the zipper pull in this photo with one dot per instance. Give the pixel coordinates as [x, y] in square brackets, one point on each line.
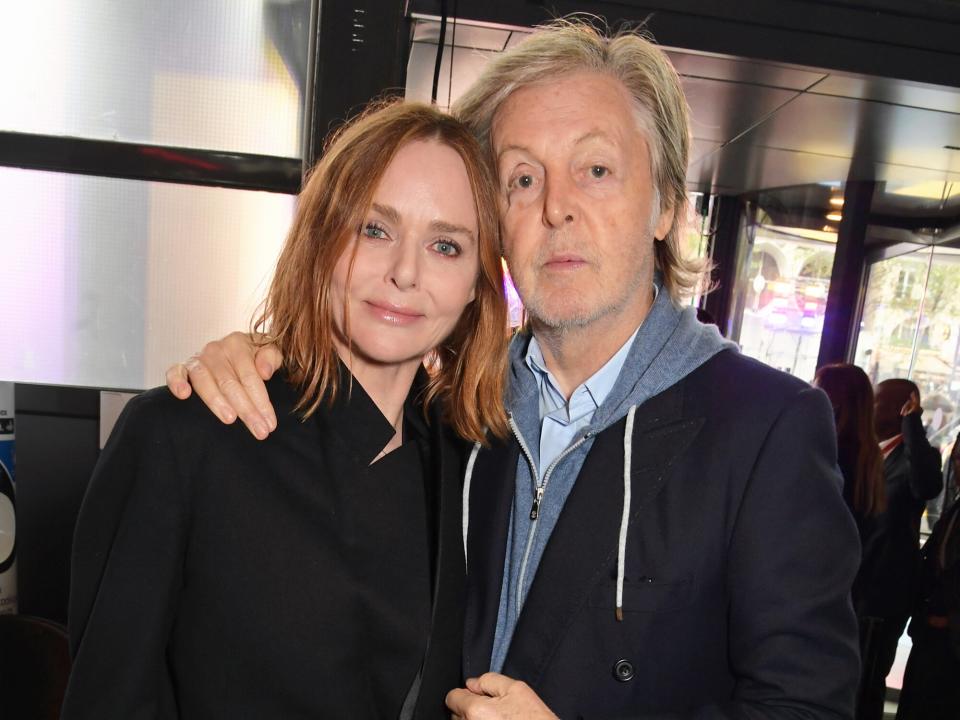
[535, 510]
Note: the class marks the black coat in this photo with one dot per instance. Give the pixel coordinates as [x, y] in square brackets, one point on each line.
[215, 576]
[739, 562]
[891, 553]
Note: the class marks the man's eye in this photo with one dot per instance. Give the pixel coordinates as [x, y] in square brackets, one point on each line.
[599, 171]
[522, 181]
[446, 247]
[372, 230]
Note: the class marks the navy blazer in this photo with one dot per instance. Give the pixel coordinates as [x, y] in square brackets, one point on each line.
[739, 562]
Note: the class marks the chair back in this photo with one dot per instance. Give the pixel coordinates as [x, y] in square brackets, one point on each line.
[34, 667]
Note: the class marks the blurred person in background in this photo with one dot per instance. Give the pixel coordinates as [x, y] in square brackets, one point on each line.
[931, 683]
[911, 469]
[861, 463]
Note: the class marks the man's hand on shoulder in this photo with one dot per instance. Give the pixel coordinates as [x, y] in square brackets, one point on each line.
[228, 375]
[497, 697]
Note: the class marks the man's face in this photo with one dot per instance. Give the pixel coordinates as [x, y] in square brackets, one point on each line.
[577, 201]
[889, 398]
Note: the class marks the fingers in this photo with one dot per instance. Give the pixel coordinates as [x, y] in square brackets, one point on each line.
[460, 701]
[234, 380]
[177, 381]
[912, 405]
[491, 684]
[268, 359]
[225, 377]
[266, 362]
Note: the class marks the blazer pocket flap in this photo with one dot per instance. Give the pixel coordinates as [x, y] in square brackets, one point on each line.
[645, 595]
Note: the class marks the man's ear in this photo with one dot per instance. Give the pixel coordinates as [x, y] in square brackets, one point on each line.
[664, 223]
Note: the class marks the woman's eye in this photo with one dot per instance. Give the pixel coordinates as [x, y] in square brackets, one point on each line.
[598, 171]
[446, 247]
[372, 230]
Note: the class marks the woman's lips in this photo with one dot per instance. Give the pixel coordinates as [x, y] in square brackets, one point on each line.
[393, 314]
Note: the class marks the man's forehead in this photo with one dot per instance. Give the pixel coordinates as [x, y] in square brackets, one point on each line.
[600, 112]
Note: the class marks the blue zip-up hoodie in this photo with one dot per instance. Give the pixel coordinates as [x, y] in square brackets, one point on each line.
[670, 344]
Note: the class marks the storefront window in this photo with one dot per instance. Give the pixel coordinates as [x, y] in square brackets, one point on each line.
[785, 290]
[911, 328]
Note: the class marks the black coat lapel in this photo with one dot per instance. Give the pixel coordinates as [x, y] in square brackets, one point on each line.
[583, 546]
[491, 499]
[441, 667]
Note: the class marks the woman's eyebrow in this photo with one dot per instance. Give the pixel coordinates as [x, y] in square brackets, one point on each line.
[389, 212]
[443, 226]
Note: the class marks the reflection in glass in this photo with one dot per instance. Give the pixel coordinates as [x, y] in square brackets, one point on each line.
[786, 285]
[214, 74]
[107, 282]
[911, 328]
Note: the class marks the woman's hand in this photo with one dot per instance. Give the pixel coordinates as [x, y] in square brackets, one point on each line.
[228, 375]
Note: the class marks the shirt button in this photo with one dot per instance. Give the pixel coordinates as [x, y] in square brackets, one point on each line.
[623, 671]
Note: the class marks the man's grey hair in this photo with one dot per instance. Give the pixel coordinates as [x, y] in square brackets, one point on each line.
[572, 45]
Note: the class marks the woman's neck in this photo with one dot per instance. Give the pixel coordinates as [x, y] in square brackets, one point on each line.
[388, 387]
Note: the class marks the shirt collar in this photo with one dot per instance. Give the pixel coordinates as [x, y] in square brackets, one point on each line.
[586, 397]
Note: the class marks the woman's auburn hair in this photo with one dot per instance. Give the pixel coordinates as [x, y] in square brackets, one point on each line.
[468, 368]
[851, 395]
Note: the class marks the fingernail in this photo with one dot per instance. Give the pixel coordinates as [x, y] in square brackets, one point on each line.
[260, 430]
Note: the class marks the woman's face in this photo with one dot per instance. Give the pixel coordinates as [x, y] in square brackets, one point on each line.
[417, 259]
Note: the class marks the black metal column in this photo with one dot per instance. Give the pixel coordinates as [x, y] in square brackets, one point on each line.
[845, 280]
[359, 53]
[723, 253]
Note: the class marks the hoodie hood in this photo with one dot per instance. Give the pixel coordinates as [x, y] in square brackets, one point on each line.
[670, 344]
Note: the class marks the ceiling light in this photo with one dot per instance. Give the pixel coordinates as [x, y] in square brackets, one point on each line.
[836, 201]
[834, 217]
[829, 229]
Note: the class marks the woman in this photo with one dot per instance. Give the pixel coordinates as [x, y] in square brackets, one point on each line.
[861, 464]
[317, 574]
[858, 449]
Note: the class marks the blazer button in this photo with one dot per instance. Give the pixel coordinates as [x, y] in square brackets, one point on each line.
[623, 671]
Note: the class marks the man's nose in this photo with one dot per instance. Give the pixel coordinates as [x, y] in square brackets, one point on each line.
[559, 202]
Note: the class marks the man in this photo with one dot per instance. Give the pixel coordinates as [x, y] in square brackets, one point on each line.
[891, 554]
[663, 534]
[930, 689]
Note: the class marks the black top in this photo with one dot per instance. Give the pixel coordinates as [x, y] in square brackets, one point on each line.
[215, 575]
[890, 563]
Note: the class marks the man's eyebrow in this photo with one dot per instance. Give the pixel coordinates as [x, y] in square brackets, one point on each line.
[508, 148]
[586, 137]
[592, 135]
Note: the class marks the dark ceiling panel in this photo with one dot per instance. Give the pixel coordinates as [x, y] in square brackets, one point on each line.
[715, 67]
[899, 92]
[868, 131]
[720, 110]
[747, 168]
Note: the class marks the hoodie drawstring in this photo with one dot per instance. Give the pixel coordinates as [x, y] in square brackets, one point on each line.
[467, 478]
[625, 517]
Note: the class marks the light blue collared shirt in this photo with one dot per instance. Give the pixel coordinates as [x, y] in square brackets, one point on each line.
[561, 421]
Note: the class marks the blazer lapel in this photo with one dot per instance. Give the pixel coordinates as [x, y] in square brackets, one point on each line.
[491, 498]
[439, 674]
[583, 545]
